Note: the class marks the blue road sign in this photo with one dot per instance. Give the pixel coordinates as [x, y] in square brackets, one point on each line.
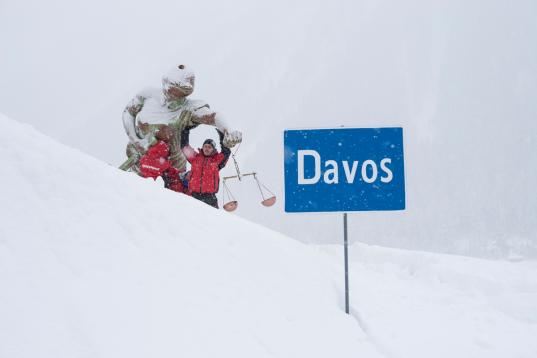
[344, 169]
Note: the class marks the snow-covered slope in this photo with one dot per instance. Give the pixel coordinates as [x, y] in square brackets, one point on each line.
[95, 262]
[417, 304]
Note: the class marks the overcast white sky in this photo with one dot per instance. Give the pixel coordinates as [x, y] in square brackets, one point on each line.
[459, 76]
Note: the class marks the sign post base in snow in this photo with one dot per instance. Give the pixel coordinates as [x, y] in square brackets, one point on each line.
[342, 170]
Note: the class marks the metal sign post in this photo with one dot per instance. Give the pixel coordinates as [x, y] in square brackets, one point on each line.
[346, 249]
[343, 170]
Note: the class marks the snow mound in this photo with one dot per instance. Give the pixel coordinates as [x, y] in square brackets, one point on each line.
[95, 262]
[418, 304]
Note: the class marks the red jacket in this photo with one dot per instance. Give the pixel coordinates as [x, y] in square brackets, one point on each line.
[155, 161]
[205, 177]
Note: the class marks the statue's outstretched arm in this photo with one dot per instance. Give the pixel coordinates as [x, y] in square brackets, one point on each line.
[129, 123]
[204, 115]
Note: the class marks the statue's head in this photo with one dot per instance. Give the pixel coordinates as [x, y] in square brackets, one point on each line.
[178, 82]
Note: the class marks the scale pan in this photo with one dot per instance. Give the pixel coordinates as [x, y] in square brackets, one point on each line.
[269, 202]
[231, 206]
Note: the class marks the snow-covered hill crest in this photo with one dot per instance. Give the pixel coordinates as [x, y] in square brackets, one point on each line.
[95, 262]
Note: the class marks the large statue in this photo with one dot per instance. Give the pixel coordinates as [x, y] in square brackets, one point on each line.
[161, 115]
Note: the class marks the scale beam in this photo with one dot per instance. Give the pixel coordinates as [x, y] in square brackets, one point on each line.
[238, 177]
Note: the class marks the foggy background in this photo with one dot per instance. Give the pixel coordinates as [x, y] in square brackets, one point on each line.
[460, 77]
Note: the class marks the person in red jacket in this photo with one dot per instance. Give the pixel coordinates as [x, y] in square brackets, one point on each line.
[206, 164]
[156, 163]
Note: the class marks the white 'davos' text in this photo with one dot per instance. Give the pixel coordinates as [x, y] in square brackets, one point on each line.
[331, 170]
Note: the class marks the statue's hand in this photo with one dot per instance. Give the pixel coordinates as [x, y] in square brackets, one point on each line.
[164, 133]
[142, 146]
[231, 139]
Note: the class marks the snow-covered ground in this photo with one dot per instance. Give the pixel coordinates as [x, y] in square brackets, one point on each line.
[417, 304]
[95, 262]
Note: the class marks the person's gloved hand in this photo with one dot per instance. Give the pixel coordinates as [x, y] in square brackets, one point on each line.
[155, 161]
[232, 138]
[172, 180]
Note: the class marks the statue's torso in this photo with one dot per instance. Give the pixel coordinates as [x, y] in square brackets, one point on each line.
[169, 117]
